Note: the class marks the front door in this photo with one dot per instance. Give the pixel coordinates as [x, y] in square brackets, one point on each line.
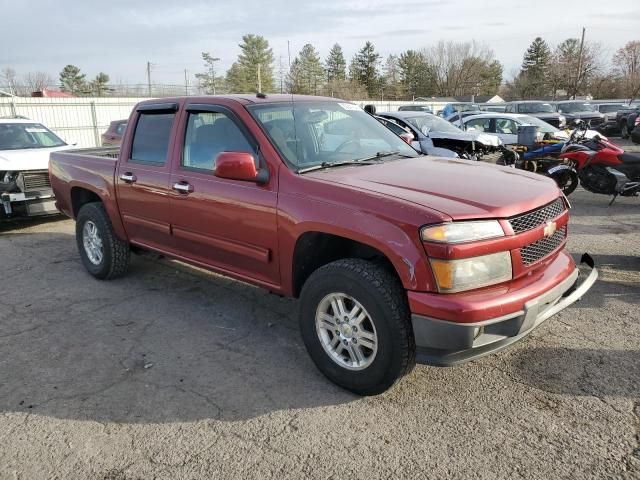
[226, 224]
[143, 176]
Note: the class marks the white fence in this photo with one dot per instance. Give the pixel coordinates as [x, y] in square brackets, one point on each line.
[83, 120]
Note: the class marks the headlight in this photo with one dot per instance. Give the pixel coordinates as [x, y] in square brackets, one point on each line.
[469, 273]
[563, 120]
[9, 177]
[458, 232]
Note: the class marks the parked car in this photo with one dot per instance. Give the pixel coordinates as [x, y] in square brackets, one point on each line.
[435, 136]
[493, 107]
[396, 258]
[113, 135]
[455, 118]
[545, 111]
[25, 146]
[415, 108]
[609, 110]
[450, 108]
[625, 119]
[505, 126]
[574, 110]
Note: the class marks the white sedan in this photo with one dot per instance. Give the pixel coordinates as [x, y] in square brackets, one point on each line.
[505, 126]
[24, 167]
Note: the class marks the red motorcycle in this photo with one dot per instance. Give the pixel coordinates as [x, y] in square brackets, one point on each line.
[601, 166]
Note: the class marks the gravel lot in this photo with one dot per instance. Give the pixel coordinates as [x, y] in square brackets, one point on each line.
[173, 372]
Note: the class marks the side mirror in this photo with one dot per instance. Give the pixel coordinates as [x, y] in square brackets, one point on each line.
[240, 166]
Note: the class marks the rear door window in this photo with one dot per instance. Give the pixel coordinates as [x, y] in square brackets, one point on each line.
[151, 138]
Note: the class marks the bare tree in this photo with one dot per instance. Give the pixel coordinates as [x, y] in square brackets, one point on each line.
[9, 77]
[461, 68]
[626, 63]
[36, 81]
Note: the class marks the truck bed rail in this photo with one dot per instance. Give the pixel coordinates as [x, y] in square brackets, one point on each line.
[110, 152]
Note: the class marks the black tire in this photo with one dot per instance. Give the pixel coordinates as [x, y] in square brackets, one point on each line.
[116, 252]
[384, 298]
[567, 180]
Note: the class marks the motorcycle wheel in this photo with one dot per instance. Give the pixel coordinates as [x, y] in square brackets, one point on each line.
[567, 180]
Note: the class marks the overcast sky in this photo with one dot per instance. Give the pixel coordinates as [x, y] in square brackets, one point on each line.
[120, 36]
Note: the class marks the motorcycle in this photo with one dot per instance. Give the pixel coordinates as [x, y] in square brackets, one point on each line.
[601, 166]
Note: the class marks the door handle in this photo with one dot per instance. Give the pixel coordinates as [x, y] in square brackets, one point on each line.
[183, 187]
[128, 177]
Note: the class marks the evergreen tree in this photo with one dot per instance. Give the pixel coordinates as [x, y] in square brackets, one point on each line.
[72, 81]
[336, 65]
[412, 67]
[364, 69]
[536, 64]
[391, 78]
[100, 84]
[307, 74]
[256, 54]
[207, 79]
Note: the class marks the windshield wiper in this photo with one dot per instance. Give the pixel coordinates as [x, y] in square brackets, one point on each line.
[360, 161]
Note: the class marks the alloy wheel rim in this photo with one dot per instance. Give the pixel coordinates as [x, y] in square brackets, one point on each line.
[346, 331]
[92, 243]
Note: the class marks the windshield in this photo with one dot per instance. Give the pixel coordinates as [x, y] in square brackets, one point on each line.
[466, 107]
[543, 127]
[536, 107]
[431, 123]
[609, 108]
[20, 136]
[313, 133]
[575, 107]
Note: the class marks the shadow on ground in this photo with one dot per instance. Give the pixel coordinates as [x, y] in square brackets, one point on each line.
[165, 343]
[597, 372]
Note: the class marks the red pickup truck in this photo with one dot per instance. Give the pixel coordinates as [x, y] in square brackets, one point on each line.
[396, 257]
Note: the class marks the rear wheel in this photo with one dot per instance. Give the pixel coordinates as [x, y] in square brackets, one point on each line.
[103, 254]
[356, 325]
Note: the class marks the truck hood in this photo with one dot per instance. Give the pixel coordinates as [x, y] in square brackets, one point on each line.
[28, 159]
[582, 115]
[461, 189]
[545, 115]
[485, 139]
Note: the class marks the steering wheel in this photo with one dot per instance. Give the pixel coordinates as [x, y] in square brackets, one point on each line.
[346, 143]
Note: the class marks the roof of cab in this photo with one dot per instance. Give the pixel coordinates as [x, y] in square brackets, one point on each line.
[247, 98]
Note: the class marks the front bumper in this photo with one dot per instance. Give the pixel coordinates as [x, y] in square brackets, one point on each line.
[27, 205]
[447, 343]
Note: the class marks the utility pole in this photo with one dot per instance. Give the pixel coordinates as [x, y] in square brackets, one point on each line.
[186, 83]
[259, 79]
[289, 53]
[149, 77]
[575, 91]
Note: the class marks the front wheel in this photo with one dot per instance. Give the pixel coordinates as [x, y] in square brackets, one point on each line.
[566, 179]
[103, 254]
[356, 325]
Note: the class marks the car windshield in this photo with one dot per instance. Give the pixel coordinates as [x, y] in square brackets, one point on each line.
[536, 107]
[466, 107]
[309, 134]
[430, 123]
[543, 126]
[20, 136]
[575, 107]
[609, 108]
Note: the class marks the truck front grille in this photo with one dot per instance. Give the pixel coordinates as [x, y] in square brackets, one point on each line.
[594, 122]
[534, 219]
[554, 122]
[35, 181]
[543, 247]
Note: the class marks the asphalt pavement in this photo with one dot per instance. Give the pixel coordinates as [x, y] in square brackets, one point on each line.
[176, 373]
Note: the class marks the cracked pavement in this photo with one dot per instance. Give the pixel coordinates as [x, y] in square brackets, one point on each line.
[173, 372]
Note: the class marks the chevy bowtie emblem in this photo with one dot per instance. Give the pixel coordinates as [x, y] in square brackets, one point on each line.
[549, 229]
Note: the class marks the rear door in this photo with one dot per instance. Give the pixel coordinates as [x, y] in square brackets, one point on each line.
[143, 175]
[226, 224]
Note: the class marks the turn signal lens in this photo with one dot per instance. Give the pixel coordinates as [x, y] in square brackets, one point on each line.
[457, 232]
[469, 273]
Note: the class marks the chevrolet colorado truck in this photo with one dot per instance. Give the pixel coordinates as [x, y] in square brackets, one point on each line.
[395, 257]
